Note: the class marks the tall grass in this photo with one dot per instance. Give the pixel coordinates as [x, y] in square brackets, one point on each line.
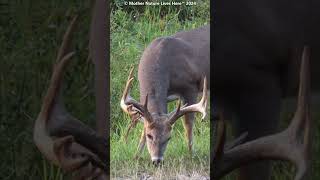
[131, 32]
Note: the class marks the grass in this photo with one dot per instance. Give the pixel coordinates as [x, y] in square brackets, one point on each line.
[178, 160]
[130, 34]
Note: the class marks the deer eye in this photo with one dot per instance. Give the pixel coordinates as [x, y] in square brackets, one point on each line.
[149, 137]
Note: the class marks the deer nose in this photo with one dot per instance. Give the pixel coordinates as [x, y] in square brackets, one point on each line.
[156, 160]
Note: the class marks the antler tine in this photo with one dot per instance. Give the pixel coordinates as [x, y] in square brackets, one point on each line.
[145, 105]
[300, 128]
[126, 92]
[146, 114]
[304, 93]
[61, 62]
[174, 115]
[201, 106]
[67, 38]
[55, 85]
[204, 99]
[293, 144]
[127, 103]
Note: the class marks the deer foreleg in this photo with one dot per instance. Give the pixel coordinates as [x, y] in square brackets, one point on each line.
[188, 126]
[188, 121]
[142, 142]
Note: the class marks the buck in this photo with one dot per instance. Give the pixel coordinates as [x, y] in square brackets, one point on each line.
[170, 67]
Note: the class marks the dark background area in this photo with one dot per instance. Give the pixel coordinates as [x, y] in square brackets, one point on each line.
[30, 34]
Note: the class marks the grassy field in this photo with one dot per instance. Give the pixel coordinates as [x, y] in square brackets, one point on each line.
[130, 34]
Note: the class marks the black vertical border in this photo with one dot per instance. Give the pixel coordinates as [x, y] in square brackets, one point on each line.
[108, 39]
[212, 45]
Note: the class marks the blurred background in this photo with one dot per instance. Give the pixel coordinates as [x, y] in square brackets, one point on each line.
[30, 34]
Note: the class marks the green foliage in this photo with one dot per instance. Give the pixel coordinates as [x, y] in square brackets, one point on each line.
[184, 12]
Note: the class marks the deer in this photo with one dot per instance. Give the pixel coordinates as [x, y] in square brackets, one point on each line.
[292, 144]
[63, 139]
[171, 67]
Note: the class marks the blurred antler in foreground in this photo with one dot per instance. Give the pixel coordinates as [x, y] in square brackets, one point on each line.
[292, 144]
[61, 138]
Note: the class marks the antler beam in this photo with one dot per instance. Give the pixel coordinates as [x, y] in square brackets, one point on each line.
[201, 106]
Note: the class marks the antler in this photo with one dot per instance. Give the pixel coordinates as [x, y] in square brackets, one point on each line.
[130, 105]
[136, 110]
[60, 137]
[201, 106]
[293, 144]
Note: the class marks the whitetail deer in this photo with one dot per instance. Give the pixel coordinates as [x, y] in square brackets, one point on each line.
[61, 138]
[170, 66]
[292, 144]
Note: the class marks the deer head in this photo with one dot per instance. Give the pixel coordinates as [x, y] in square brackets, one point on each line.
[293, 144]
[157, 127]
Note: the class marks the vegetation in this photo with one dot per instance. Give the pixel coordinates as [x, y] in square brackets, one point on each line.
[131, 31]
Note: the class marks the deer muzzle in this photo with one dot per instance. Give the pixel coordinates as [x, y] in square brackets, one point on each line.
[157, 160]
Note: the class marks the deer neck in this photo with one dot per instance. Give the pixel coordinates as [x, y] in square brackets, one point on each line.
[157, 101]
[157, 91]
[154, 78]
